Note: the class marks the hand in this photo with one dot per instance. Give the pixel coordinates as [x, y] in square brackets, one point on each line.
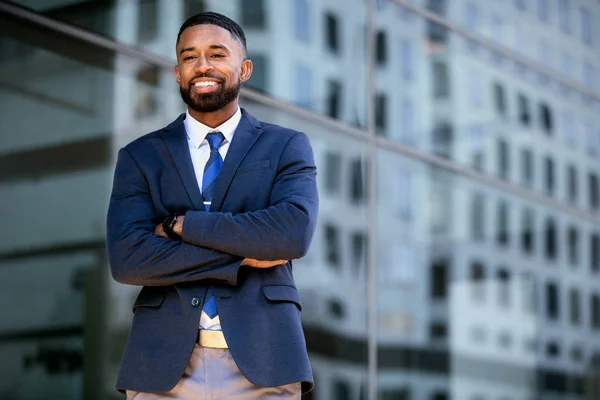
[159, 231]
[251, 262]
[178, 227]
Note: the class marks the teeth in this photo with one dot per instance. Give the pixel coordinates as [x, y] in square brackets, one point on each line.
[205, 84]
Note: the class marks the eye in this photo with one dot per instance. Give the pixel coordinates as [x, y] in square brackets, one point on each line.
[187, 58]
[218, 55]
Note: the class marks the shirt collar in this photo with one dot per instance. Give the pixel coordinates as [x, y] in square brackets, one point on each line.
[197, 131]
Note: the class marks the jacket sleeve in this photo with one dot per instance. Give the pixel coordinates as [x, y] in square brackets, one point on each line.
[284, 230]
[137, 255]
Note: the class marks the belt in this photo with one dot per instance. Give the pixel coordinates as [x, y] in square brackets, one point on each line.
[214, 339]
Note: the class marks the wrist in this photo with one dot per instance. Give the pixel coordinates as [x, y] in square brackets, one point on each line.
[178, 226]
[168, 225]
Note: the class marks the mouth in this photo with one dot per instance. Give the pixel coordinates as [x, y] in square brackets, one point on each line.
[205, 86]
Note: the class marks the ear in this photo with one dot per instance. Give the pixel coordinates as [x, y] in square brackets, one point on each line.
[177, 75]
[246, 70]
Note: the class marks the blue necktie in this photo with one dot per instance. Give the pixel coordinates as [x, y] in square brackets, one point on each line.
[209, 181]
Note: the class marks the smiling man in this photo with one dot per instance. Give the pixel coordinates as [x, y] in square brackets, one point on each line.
[207, 215]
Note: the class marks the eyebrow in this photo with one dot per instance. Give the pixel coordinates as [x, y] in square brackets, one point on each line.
[212, 46]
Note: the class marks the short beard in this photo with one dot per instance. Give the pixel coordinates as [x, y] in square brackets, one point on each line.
[210, 102]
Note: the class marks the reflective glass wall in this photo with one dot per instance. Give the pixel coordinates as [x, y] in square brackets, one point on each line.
[457, 254]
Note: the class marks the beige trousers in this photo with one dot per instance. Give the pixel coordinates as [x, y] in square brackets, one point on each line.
[212, 374]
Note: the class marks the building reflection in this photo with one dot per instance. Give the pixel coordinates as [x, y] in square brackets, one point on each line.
[486, 187]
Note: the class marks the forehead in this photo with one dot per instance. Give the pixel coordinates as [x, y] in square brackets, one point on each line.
[206, 35]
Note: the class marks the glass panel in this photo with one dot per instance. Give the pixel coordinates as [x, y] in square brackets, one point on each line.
[472, 258]
[332, 277]
[449, 292]
[304, 51]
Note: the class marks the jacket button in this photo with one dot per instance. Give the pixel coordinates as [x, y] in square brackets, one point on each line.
[195, 302]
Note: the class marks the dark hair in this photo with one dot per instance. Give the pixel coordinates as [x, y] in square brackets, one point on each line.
[213, 18]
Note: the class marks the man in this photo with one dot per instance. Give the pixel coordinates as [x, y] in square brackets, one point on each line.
[205, 214]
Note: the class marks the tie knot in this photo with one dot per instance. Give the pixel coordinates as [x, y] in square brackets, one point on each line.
[215, 139]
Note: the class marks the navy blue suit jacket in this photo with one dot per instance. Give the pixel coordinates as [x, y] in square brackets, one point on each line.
[264, 207]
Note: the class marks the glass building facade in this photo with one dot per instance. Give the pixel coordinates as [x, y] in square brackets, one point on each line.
[457, 254]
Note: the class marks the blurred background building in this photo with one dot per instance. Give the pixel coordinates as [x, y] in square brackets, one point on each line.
[457, 254]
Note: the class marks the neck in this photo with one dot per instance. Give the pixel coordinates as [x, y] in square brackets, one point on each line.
[215, 118]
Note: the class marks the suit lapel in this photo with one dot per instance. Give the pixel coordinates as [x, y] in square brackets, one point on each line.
[247, 132]
[175, 138]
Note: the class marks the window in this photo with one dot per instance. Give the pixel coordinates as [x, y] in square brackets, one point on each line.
[500, 99]
[442, 140]
[549, 175]
[595, 252]
[552, 301]
[553, 349]
[593, 191]
[335, 309]
[591, 139]
[341, 390]
[441, 80]
[542, 10]
[332, 39]
[551, 243]
[546, 118]
[147, 21]
[439, 396]
[527, 167]
[407, 135]
[253, 14]
[524, 112]
[359, 250]
[586, 25]
[147, 80]
[438, 331]
[568, 127]
[381, 113]
[503, 160]
[572, 183]
[381, 54]
[332, 241]
[588, 75]
[260, 72]
[333, 172]
[404, 194]
[301, 16]
[334, 98]
[573, 241]
[358, 186]
[478, 217]
[502, 234]
[504, 287]
[407, 59]
[393, 394]
[477, 146]
[595, 311]
[574, 301]
[193, 7]
[564, 16]
[439, 279]
[478, 278]
[527, 230]
[436, 32]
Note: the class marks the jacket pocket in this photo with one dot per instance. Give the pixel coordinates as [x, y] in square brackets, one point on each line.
[253, 166]
[149, 297]
[282, 293]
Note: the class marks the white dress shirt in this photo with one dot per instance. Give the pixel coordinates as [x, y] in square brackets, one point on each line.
[200, 152]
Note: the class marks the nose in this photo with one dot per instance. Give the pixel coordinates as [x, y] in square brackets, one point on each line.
[203, 65]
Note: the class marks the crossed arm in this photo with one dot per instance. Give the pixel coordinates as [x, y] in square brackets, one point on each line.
[140, 254]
